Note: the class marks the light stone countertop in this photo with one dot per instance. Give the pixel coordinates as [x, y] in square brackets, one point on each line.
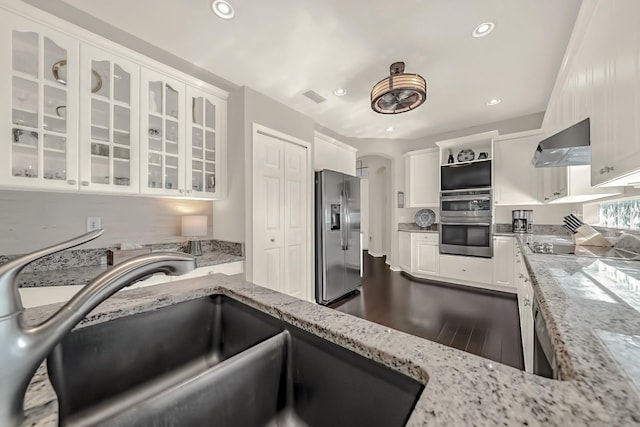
[84, 275]
[592, 330]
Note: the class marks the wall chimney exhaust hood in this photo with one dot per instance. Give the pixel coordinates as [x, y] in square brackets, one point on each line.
[570, 147]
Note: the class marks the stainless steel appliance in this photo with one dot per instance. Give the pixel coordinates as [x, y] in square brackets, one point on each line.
[522, 221]
[338, 253]
[570, 147]
[465, 223]
[472, 204]
[464, 176]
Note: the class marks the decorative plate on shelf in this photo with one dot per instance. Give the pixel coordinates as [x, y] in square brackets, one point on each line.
[425, 217]
[466, 155]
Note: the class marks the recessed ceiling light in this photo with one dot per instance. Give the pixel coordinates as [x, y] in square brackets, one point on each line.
[389, 129]
[340, 92]
[223, 9]
[494, 101]
[483, 29]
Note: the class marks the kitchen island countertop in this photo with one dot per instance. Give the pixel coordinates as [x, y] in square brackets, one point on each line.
[587, 324]
[84, 275]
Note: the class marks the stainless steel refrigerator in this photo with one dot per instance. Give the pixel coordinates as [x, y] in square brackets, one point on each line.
[338, 252]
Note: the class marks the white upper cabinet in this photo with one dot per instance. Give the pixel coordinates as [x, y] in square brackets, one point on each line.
[516, 180]
[85, 114]
[109, 113]
[602, 81]
[162, 134]
[40, 109]
[422, 171]
[206, 149]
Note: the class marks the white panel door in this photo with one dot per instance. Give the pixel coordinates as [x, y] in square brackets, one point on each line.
[280, 213]
[269, 212]
[295, 220]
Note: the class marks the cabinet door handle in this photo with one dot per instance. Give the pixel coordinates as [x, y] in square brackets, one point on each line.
[556, 194]
[181, 191]
[606, 169]
[72, 182]
[85, 183]
[188, 191]
[521, 276]
[272, 240]
[527, 302]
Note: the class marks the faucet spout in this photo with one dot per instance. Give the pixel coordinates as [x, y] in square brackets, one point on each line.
[104, 286]
[22, 349]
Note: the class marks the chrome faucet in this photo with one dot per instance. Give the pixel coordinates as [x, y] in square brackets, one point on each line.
[23, 348]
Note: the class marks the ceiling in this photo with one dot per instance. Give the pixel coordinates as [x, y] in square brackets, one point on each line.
[283, 48]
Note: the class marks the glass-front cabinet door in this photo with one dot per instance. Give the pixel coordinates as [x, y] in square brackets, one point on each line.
[205, 144]
[109, 116]
[40, 111]
[162, 134]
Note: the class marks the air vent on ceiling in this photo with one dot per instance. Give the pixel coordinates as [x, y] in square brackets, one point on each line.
[314, 96]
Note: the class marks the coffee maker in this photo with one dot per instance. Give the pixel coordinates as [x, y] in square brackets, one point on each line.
[522, 221]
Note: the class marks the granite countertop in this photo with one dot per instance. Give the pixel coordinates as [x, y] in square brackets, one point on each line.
[594, 335]
[84, 275]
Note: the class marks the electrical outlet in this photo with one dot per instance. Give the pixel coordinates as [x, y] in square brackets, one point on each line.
[94, 223]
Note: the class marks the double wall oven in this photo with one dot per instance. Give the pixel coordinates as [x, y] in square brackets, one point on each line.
[466, 205]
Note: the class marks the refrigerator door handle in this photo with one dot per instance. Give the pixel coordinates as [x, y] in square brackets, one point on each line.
[342, 221]
[347, 221]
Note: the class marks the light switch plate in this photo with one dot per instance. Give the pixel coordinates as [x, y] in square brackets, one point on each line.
[94, 223]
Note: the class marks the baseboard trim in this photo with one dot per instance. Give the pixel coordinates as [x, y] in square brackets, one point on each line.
[377, 255]
[489, 287]
[392, 268]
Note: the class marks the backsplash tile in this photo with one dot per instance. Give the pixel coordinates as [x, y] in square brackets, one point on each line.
[537, 229]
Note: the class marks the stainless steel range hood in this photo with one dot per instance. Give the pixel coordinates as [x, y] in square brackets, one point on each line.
[570, 147]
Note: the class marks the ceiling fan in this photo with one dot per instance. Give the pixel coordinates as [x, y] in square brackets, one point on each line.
[399, 92]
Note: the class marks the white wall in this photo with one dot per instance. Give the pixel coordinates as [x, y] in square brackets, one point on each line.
[364, 212]
[31, 220]
[381, 205]
[333, 155]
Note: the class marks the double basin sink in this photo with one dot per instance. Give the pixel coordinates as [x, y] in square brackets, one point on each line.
[216, 361]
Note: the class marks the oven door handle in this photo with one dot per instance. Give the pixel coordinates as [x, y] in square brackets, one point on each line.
[463, 199]
[484, 224]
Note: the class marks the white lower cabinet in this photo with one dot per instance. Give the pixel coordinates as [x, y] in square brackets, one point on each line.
[468, 269]
[503, 261]
[43, 295]
[404, 246]
[426, 253]
[525, 301]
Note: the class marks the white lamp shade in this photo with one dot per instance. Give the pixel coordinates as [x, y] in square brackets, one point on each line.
[194, 225]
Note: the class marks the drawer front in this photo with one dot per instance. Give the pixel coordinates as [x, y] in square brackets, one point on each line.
[425, 237]
[467, 268]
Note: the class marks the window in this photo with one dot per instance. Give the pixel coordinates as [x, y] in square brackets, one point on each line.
[623, 214]
[362, 169]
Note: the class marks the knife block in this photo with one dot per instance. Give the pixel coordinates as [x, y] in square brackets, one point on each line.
[588, 236]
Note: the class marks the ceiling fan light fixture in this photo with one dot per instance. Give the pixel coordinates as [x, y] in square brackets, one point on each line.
[398, 93]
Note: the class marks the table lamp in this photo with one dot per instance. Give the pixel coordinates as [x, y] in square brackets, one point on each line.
[194, 226]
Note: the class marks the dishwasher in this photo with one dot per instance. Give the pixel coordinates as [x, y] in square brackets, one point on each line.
[544, 359]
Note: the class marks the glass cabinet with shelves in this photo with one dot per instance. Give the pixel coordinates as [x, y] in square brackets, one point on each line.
[41, 83]
[109, 143]
[162, 134]
[205, 148]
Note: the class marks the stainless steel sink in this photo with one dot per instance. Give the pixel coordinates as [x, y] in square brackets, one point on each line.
[215, 361]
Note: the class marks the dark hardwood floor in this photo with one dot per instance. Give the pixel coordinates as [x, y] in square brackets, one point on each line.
[477, 321]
